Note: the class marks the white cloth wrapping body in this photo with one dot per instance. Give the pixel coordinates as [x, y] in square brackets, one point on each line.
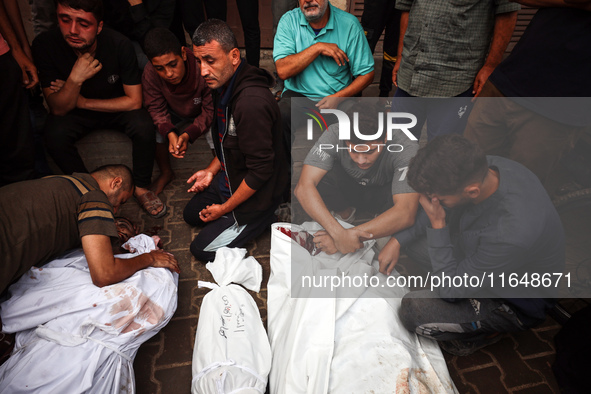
[350, 342]
[232, 351]
[74, 337]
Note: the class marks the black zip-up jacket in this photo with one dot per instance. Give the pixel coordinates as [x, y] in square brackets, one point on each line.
[253, 146]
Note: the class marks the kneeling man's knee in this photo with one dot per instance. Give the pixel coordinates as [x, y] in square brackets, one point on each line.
[408, 313]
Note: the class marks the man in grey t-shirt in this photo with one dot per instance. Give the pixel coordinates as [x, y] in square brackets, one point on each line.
[346, 175]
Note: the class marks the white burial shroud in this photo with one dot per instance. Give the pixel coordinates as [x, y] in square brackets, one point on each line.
[232, 352]
[350, 341]
[74, 337]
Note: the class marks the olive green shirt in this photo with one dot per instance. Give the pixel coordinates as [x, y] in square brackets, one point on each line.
[43, 218]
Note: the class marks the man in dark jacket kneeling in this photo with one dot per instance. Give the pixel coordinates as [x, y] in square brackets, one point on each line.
[239, 191]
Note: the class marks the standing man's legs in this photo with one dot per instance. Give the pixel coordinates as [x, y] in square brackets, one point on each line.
[404, 102]
[377, 15]
[17, 161]
[249, 18]
[487, 124]
[448, 115]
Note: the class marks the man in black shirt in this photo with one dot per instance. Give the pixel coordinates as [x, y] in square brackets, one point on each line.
[91, 80]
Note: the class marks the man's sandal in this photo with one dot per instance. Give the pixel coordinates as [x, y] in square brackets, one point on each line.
[150, 202]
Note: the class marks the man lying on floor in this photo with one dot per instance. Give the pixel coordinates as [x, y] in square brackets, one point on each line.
[43, 218]
[74, 337]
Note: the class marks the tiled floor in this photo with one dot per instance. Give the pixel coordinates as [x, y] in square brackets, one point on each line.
[519, 363]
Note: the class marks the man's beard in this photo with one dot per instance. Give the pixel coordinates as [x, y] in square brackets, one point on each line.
[83, 47]
[316, 18]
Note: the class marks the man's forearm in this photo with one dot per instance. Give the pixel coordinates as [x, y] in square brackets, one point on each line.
[395, 219]
[243, 193]
[403, 27]
[503, 30]
[214, 166]
[313, 204]
[292, 65]
[7, 30]
[16, 21]
[63, 101]
[118, 104]
[356, 86]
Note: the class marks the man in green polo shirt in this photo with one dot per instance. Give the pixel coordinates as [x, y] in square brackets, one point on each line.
[322, 54]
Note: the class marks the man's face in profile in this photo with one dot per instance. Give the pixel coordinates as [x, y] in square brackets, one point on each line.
[79, 28]
[118, 197]
[170, 66]
[313, 9]
[365, 155]
[217, 65]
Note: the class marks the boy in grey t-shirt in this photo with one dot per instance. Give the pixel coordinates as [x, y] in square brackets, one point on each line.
[346, 175]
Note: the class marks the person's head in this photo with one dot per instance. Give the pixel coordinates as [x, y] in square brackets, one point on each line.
[313, 10]
[166, 54]
[365, 153]
[450, 168]
[216, 50]
[116, 181]
[125, 229]
[80, 22]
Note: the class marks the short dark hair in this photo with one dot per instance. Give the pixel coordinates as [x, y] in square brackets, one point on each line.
[368, 122]
[215, 29]
[93, 6]
[446, 165]
[160, 41]
[110, 171]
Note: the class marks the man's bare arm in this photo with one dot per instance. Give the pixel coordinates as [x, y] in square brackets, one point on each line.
[306, 191]
[63, 101]
[503, 29]
[403, 27]
[130, 101]
[400, 216]
[16, 21]
[215, 211]
[19, 53]
[292, 65]
[356, 86]
[106, 270]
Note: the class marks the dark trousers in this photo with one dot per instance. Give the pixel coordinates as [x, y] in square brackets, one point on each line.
[192, 16]
[424, 313]
[17, 150]
[443, 115]
[61, 132]
[223, 231]
[377, 16]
